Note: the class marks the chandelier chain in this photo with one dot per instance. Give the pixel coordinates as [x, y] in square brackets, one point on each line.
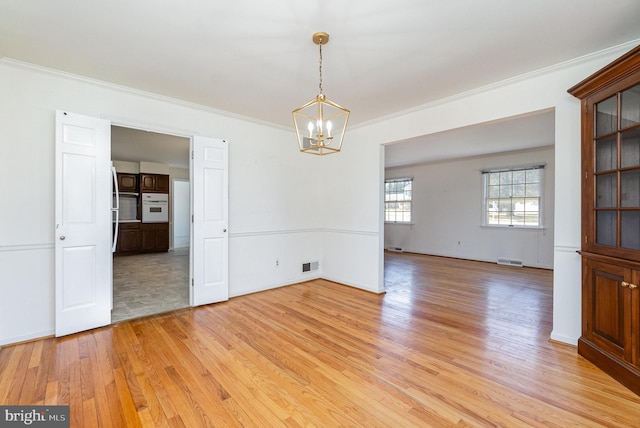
[320, 67]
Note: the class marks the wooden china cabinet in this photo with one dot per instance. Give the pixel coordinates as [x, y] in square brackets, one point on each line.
[611, 218]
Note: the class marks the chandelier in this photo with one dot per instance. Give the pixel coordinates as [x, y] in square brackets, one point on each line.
[320, 123]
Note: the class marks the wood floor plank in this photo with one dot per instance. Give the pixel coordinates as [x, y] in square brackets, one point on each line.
[14, 373]
[451, 343]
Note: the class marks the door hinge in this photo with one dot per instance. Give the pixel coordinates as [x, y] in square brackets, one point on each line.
[191, 218]
[191, 154]
[192, 282]
[586, 239]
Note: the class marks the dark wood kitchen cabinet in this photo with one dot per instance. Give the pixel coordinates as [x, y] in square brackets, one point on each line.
[154, 237]
[128, 238]
[127, 182]
[611, 218]
[154, 183]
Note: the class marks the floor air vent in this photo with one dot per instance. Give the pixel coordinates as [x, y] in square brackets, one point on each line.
[395, 249]
[510, 262]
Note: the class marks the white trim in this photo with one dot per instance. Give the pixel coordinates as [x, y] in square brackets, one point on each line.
[271, 232]
[569, 340]
[405, 179]
[26, 337]
[514, 168]
[127, 89]
[350, 284]
[566, 248]
[294, 231]
[513, 226]
[392, 180]
[541, 199]
[277, 285]
[351, 232]
[605, 53]
[27, 247]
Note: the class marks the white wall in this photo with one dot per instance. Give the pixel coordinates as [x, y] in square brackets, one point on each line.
[354, 179]
[274, 209]
[126, 166]
[447, 212]
[352, 216]
[180, 203]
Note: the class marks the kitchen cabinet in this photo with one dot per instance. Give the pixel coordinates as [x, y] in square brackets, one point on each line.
[610, 249]
[127, 182]
[154, 183]
[154, 237]
[128, 238]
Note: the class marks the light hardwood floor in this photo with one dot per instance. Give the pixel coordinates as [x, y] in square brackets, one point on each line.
[451, 343]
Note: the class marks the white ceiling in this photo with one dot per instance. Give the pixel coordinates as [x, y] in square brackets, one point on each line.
[256, 59]
[135, 145]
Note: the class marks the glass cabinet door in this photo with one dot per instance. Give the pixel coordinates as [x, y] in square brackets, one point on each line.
[617, 170]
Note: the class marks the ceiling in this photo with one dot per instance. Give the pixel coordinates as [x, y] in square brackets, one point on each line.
[256, 58]
[135, 145]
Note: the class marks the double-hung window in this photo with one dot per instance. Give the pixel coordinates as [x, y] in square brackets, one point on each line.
[513, 196]
[398, 195]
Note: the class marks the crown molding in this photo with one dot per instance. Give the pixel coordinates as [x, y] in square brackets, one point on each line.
[11, 62]
[605, 53]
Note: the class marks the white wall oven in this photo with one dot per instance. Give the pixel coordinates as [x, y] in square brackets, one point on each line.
[155, 208]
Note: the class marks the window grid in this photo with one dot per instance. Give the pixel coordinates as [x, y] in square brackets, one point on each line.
[512, 197]
[398, 195]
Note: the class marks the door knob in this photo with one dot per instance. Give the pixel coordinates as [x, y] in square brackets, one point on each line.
[224, 230]
[633, 286]
[62, 237]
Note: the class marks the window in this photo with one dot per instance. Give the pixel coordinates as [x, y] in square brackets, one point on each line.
[397, 200]
[512, 196]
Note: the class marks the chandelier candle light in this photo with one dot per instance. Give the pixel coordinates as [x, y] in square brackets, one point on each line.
[320, 123]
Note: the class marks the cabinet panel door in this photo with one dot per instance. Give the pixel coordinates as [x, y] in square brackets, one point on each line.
[147, 182]
[608, 308]
[127, 182]
[635, 319]
[129, 240]
[162, 183]
[147, 237]
[162, 236]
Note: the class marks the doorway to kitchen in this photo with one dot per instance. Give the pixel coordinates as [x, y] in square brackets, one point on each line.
[151, 257]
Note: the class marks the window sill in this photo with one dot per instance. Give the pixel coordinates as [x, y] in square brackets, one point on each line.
[510, 227]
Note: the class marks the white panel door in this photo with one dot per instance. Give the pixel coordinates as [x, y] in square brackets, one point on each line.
[210, 243]
[82, 223]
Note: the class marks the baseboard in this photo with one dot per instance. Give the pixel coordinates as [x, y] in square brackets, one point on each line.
[26, 337]
[621, 371]
[569, 340]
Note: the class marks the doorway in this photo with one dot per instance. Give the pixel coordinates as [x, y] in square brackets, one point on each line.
[151, 282]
